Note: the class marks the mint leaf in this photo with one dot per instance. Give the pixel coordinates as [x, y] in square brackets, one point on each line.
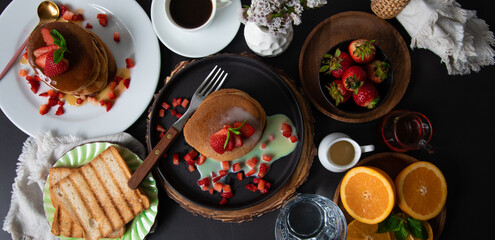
[58, 40]
[226, 140]
[391, 223]
[416, 228]
[401, 232]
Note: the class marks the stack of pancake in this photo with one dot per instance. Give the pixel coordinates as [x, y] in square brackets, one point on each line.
[224, 107]
[91, 64]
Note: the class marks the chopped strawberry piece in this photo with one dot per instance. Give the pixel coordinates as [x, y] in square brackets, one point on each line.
[60, 102]
[129, 62]
[174, 102]
[25, 56]
[92, 100]
[256, 180]
[246, 130]
[23, 72]
[161, 112]
[201, 160]
[42, 50]
[29, 78]
[191, 168]
[178, 115]
[159, 128]
[45, 94]
[263, 169]
[251, 187]
[63, 8]
[218, 186]
[178, 101]
[111, 95]
[240, 176]
[165, 105]
[287, 133]
[252, 162]
[79, 101]
[285, 127]
[230, 144]
[102, 103]
[185, 102]
[161, 135]
[116, 36]
[52, 101]
[223, 201]
[103, 19]
[222, 173]
[44, 109]
[193, 153]
[37, 78]
[118, 78]
[126, 82]
[237, 140]
[236, 167]
[189, 161]
[266, 158]
[205, 181]
[45, 33]
[68, 15]
[78, 17]
[216, 179]
[89, 26]
[226, 188]
[173, 112]
[263, 146]
[213, 174]
[293, 138]
[60, 111]
[251, 172]
[35, 85]
[204, 188]
[227, 194]
[52, 93]
[210, 190]
[108, 105]
[261, 184]
[175, 159]
[113, 85]
[225, 165]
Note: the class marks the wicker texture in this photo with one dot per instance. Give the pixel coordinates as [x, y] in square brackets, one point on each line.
[387, 9]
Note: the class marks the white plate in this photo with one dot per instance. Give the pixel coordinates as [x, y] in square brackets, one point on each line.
[200, 43]
[138, 41]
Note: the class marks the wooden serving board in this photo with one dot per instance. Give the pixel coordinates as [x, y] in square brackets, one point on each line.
[392, 163]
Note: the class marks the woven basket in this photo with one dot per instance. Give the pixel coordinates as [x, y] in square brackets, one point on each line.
[387, 9]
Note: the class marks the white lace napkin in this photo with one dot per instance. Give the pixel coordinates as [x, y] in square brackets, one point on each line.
[26, 217]
[456, 35]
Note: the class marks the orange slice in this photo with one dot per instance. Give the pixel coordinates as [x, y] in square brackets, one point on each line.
[357, 230]
[367, 194]
[421, 190]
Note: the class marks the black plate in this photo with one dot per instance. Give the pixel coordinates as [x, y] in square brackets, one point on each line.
[349, 106]
[258, 81]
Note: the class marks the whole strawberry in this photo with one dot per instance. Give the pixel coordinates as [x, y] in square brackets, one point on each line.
[353, 78]
[377, 71]
[366, 96]
[362, 50]
[338, 92]
[336, 64]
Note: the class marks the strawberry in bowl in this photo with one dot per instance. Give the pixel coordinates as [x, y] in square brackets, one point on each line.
[362, 50]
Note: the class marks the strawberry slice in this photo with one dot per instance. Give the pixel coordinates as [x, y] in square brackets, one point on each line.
[53, 69]
[237, 140]
[35, 85]
[217, 140]
[246, 130]
[41, 60]
[42, 50]
[45, 33]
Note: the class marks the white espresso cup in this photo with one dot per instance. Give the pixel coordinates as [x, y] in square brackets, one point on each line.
[338, 152]
[185, 18]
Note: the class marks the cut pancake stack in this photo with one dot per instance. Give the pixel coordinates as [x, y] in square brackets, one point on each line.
[224, 107]
[91, 64]
[94, 201]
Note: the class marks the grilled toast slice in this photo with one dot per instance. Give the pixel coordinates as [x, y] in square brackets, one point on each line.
[63, 223]
[97, 196]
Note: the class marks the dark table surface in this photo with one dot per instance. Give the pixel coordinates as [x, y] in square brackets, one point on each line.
[459, 108]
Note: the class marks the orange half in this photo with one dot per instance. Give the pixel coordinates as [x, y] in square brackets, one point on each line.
[421, 190]
[368, 194]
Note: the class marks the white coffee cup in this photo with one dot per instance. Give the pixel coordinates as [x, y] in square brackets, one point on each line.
[329, 141]
[216, 4]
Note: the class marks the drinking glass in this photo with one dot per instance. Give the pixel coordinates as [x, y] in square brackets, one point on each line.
[404, 130]
[312, 217]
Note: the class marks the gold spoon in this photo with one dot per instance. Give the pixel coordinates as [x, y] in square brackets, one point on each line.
[47, 12]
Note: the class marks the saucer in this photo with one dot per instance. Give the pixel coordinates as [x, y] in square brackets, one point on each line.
[199, 43]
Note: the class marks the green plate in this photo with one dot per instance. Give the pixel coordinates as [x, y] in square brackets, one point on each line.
[140, 226]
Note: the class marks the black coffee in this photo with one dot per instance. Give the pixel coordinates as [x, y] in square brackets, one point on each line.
[190, 13]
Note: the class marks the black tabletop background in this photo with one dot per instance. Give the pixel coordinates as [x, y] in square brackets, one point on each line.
[459, 107]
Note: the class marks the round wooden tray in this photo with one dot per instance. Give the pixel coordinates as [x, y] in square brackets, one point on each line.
[349, 26]
[392, 163]
[277, 199]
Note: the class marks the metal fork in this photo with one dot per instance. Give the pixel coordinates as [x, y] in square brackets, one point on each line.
[212, 82]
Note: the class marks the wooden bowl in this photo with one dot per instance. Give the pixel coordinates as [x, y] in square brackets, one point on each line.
[348, 26]
[392, 163]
